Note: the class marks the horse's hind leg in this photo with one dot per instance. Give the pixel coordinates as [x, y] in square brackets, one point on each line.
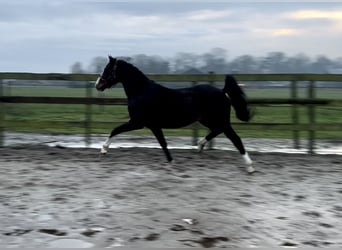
[236, 140]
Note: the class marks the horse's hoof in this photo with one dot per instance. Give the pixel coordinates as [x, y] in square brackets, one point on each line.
[171, 164]
[201, 145]
[104, 150]
[200, 148]
[250, 169]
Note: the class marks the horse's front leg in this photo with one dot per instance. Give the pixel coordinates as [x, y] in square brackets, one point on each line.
[209, 137]
[126, 127]
[158, 133]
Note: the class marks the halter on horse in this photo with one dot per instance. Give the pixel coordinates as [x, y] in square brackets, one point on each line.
[156, 107]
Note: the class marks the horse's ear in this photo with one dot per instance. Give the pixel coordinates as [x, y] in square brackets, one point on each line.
[111, 58]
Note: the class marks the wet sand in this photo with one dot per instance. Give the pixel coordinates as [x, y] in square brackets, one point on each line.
[62, 197]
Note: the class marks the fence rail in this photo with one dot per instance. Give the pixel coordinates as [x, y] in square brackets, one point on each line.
[179, 77]
[311, 102]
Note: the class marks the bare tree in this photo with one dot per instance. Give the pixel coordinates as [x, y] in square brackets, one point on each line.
[215, 61]
[77, 68]
[245, 64]
[98, 64]
[185, 61]
[151, 64]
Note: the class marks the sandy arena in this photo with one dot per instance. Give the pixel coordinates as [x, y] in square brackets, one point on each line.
[62, 197]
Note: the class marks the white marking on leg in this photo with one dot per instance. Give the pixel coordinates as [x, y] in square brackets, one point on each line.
[106, 145]
[250, 169]
[201, 144]
[247, 159]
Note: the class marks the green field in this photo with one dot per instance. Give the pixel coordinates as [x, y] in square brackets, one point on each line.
[61, 118]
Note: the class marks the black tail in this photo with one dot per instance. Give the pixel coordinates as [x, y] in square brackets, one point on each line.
[238, 98]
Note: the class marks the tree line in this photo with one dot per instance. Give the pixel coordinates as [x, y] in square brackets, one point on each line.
[216, 60]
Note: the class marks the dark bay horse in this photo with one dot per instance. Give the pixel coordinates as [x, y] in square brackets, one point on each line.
[156, 107]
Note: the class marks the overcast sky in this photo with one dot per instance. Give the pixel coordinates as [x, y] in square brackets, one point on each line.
[50, 35]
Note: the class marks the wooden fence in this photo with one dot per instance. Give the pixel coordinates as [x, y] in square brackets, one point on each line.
[310, 101]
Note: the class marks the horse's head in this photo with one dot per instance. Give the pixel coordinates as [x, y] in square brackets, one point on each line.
[108, 78]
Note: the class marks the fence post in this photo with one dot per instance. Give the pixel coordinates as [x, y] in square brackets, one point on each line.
[312, 117]
[2, 115]
[88, 115]
[194, 126]
[295, 118]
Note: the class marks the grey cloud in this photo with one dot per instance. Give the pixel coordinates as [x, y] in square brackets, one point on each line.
[79, 30]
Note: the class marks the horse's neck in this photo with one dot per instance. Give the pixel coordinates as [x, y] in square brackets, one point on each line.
[134, 84]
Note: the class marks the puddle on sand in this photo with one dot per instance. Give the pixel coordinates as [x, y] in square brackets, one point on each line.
[128, 141]
[70, 243]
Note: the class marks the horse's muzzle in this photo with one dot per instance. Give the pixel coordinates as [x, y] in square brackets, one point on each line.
[100, 84]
